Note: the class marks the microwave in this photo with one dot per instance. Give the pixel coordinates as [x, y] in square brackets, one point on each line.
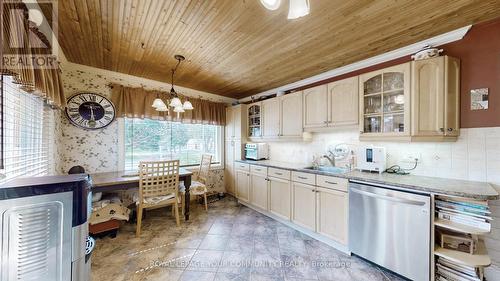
[256, 151]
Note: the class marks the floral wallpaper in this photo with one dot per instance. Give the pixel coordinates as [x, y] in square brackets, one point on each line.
[97, 150]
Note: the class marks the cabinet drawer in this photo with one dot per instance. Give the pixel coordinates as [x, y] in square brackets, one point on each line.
[304, 178]
[254, 169]
[333, 183]
[279, 173]
[241, 166]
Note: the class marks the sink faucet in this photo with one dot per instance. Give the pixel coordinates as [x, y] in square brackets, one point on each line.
[330, 158]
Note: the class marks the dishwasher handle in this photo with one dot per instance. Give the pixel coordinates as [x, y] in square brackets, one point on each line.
[389, 198]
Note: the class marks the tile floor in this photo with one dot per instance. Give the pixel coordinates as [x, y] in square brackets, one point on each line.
[229, 242]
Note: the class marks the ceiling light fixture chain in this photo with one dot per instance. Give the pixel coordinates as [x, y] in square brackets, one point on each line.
[175, 101]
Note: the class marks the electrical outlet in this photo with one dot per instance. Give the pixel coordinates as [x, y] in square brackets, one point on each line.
[412, 158]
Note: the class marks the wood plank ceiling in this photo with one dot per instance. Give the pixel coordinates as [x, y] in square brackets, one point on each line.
[237, 48]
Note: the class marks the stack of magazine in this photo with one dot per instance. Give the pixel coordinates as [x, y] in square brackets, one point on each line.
[447, 270]
[470, 213]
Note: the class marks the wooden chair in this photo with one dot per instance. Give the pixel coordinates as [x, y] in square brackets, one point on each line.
[158, 187]
[199, 187]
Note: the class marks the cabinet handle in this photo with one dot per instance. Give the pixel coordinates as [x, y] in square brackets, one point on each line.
[302, 178]
[313, 190]
[331, 182]
[450, 129]
[279, 174]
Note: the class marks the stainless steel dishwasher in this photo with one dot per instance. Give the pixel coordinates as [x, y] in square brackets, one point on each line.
[391, 228]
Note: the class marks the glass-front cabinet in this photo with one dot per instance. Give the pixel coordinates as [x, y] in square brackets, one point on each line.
[385, 102]
[255, 120]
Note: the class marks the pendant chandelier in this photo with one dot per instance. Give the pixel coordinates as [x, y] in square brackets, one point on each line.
[297, 8]
[175, 101]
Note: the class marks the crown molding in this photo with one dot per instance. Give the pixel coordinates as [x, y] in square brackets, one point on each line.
[439, 40]
[136, 81]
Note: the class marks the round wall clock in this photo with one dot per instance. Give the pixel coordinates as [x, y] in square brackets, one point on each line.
[90, 111]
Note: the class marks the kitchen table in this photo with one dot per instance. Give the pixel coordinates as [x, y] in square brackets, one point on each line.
[125, 180]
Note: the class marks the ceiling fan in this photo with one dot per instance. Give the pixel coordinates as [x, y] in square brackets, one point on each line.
[297, 8]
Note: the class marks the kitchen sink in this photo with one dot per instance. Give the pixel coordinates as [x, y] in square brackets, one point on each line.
[328, 169]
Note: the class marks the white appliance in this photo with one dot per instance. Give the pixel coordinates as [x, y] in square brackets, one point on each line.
[256, 151]
[373, 159]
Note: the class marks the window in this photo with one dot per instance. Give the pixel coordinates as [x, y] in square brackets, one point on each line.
[147, 140]
[28, 136]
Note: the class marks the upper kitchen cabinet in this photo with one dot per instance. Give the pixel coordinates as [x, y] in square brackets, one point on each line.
[255, 120]
[436, 99]
[280, 118]
[291, 115]
[343, 102]
[315, 107]
[271, 118]
[384, 103]
[235, 122]
[332, 105]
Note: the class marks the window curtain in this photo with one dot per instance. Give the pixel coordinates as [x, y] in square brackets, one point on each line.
[21, 40]
[136, 103]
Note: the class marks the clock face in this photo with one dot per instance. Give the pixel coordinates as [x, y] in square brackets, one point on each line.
[90, 111]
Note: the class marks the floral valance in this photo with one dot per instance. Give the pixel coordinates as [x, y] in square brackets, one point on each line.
[26, 54]
[136, 103]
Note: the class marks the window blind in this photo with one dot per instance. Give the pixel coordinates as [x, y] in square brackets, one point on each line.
[149, 140]
[27, 133]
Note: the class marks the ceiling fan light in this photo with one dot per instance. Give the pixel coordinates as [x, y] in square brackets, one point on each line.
[271, 4]
[158, 103]
[179, 109]
[187, 105]
[175, 102]
[298, 8]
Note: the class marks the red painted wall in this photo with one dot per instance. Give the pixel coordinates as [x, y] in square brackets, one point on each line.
[479, 53]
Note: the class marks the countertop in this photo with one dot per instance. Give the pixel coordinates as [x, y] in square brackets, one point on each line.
[438, 186]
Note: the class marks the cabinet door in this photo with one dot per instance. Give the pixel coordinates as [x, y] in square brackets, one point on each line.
[254, 119]
[259, 192]
[384, 102]
[304, 205]
[428, 97]
[452, 96]
[315, 107]
[238, 122]
[243, 186]
[280, 197]
[229, 167]
[333, 214]
[238, 150]
[229, 128]
[291, 115]
[271, 118]
[343, 102]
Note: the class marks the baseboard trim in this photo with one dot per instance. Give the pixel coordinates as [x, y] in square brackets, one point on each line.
[319, 237]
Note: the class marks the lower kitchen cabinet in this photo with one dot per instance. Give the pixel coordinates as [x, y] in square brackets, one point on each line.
[304, 205]
[259, 192]
[332, 214]
[243, 185]
[279, 197]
